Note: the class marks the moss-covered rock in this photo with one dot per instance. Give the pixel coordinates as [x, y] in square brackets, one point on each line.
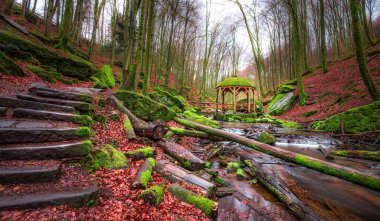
[167, 99]
[266, 137]
[141, 153]
[285, 88]
[69, 65]
[200, 119]
[281, 103]
[110, 158]
[49, 75]
[83, 119]
[356, 120]
[144, 107]
[104, 79]
[7, 66]
[309, 113]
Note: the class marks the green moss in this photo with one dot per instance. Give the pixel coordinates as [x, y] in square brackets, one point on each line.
[168, 99]
[234, 117]
[200, 119]
[275, 99]
[281, 103]
[169, 134]
[266, 138]
[236, 81]
[360, 154]
[221, 182]
[86, 147]
[176, 109]
[240, 174]
[110, 158]
[284, 89]
[356, 120]
[7, 66]
[100, 118]
[127, 126]
[115, 117]
[70, 65]
[104, 79]
[184, 132]
[102, 102]
[83, 119]
[368, 181]
[204, 204]
[146, 176]
[83, 132]
[144, 107]
[232, 167]
[156, 191]
[208, 164]
[309, 113]
[145, 152]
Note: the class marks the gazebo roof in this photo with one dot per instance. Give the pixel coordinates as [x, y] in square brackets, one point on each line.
[235, 81]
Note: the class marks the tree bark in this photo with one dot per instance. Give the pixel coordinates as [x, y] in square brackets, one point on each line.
[332, 169]
[185, 157]
[144, 176]
[128, 128]
[323, 36]
[152, 131]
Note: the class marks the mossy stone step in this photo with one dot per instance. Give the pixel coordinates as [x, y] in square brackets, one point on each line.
[40, 135]
[17, 103]
[78, 105]
[29, 173]
[75, 197]
[3, 111]
[48, 92]
[50, 115]
[43, 151]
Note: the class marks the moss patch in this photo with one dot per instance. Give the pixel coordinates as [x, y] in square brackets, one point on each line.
[146, 176]
[167, 99]
[7, 66]
[104, 79]
[356, 120]
[285, 88]
[156, 192]
[236, 81]
[200, 119]
[281, 103]
[266, 138]
[110, 158]
[309, 113]
[232, 167]
[144, 107]
[143, 152]
[83, 132]
[83, 119]
[240, 174]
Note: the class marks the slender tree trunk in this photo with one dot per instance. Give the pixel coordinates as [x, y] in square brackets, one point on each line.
[7, 7]
[149, 49]
[366, 75]
[34, 6]
[323, 36]
[97, 11]
[113, 34]
[64, 31]
[49, 18]
[365, 24]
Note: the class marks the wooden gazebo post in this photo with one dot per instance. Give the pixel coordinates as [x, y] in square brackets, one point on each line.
[217, 100]
[249, 100]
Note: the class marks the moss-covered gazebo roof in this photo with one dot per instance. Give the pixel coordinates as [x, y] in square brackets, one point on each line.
[235, 82]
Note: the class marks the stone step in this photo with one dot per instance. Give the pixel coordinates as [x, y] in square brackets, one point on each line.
[78, 105]
[40, 135]
[48, 92]
[25, 173]
[75, 197]
[46, 151]
[52, 115]
[3, 111]
[17, 103]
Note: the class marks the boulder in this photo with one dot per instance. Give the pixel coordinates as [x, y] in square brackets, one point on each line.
[110, 158]
[281, 103]
[266, 137]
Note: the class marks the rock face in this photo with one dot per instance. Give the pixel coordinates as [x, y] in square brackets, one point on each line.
[281, 103]
[144, 107]
[356, 120]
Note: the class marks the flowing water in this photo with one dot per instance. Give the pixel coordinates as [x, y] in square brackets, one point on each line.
[330, 197]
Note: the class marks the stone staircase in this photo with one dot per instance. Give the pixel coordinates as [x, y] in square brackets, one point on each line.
[40, 133]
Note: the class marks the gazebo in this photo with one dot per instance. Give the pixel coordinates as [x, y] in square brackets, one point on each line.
[235, 85]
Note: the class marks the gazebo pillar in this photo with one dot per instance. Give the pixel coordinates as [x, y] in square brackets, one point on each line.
[217, 100]
[249, 100]
[223, 101]
[234, 98]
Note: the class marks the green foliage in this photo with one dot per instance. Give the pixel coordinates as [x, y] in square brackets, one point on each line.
[232, 167]
[309, 113]
[266, 138]
[350, 176]
[221, 182]
[7, 66]
[356, 120]
[70, 65]
[110, 158]
[156, 191]
[144, 107]
[200, 119]
[236, 81]
[104, 79]
[360, 154]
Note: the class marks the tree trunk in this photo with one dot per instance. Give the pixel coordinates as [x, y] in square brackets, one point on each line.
[149, 49]
[64, 32]
[365, 23]
[128, 128]
[144, 176]
[190, 133]
[97, 11]
[299, 159]
[113, 34]
[152, 131]
[323, 36]
[7, 7]
[141, 153]
[364, 71]
[185, 157]
[49, 17]
[153, 195]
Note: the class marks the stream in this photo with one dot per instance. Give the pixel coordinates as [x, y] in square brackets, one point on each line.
[330, 197]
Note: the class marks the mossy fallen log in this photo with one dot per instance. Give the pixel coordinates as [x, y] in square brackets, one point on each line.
[128, 128]
[332, 169]
[141, 153]
[185, 157]
[190, 133]
[153, 195]
[175, 173]
[116, 103]
[152, 131]
[144, 176]
[280, 189]
[359, 154]
[208, 207]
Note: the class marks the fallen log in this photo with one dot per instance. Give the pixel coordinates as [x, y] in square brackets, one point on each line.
[185, 157]
[359, 154]
[342, 172]
[190, 133]
[116, 103]
[152, 131]
[14, 24]
[208, 207]
[215, 152]
[279, 188]
[144, 176]
[141, 153]
[152, 195]
[128, 129]
[175, 174]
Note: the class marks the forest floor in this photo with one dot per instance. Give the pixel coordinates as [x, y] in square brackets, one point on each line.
[340, 89]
